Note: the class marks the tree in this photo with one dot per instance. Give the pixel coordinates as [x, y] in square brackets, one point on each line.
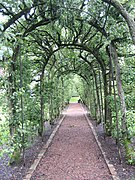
[51, 43]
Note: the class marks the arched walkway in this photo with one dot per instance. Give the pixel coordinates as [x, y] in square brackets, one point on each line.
[44, 44]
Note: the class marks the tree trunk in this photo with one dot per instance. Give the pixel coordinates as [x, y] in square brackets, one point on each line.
[94, 106]
[115, 103]
[40, 131]
[98, 98]
[102, 104]
[105, 123]
[14, 120]
[41, 123]
[22, 112]
[12, 90]
[109, 112]
[120, 89]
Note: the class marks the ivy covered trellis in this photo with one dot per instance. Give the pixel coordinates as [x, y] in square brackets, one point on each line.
[45, 42]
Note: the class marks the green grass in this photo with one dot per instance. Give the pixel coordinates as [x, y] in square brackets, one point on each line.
[74, 99]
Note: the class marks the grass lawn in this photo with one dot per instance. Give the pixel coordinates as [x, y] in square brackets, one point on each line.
[74, 99]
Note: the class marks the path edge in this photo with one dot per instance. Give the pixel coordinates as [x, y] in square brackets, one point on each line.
[109, 165]
[43, 151]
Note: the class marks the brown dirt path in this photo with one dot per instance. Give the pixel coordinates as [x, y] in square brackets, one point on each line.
[73, 153]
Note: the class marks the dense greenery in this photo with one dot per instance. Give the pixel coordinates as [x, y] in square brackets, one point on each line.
[52, 50]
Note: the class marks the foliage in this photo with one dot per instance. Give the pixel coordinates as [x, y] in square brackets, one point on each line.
[52, 51]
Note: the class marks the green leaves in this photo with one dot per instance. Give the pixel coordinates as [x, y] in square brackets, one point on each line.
[131, 122]
[44, 51]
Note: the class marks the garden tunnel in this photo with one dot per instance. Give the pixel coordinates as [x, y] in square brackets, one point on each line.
[45, 42]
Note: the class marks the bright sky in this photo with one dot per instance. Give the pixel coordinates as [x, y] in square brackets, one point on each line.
[3, 18]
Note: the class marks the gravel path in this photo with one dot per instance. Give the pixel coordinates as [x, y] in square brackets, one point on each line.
[74, 153]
